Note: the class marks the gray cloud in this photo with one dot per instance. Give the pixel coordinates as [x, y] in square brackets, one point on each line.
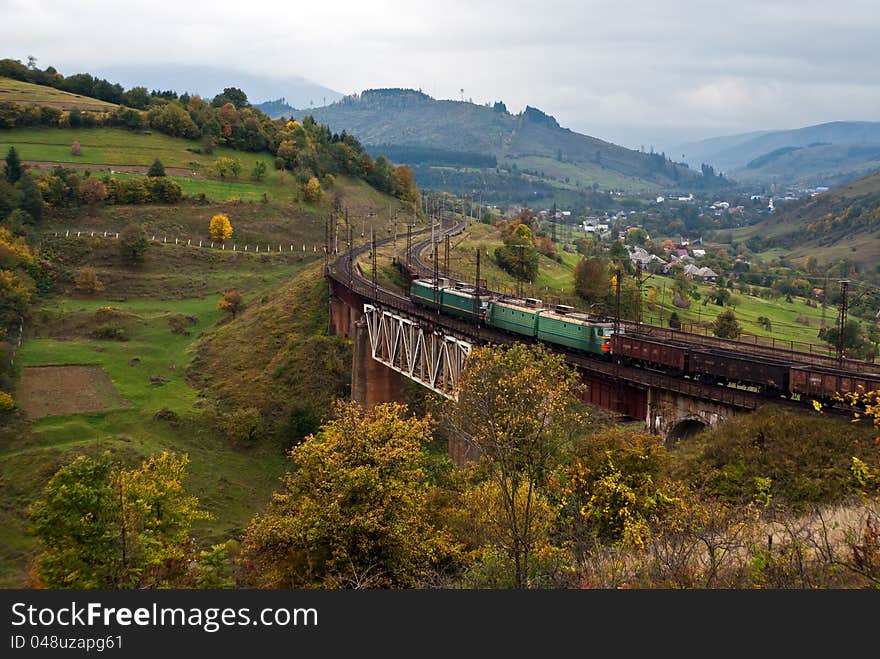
[631, 70]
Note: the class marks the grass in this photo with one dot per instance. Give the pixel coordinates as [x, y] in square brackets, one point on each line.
[25, 93]
[217, 190]
[585, 174]
[232, 482]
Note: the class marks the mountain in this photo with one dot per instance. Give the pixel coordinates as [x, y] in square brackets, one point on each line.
[821, 155]
[207, 82]
[840, 224]
[463, 147]
[276, 108]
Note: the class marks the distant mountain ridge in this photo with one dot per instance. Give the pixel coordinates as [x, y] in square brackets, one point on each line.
[208, 81]
[824, 154]
[531, 143]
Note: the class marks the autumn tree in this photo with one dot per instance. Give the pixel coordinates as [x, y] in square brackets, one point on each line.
[133, 244]
[312, 190]
[609, 488]
[225, 166]
[405, 185]
[726, 326]
[87, 280]
[220, 227]
[353, 514]
[231, 302]
[156, 169]
[104, 526]
[516, 408]
[92, 192]
[592, 281]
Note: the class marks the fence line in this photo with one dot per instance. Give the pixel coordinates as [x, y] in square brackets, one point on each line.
[259, 248]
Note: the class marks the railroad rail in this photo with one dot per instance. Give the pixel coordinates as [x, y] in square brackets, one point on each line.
[419, 266]
[346, 271]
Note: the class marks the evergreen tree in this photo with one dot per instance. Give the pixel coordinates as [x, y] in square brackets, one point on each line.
[31, 199]
[13, 166]
[156, 169]
[726, 325]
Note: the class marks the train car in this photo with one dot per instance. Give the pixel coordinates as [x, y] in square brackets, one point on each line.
[460, 300]
[771, 376]
[824, 384]
[457, 299]
[422, 291]
[642, 349]
[515, 315]
[562, 325]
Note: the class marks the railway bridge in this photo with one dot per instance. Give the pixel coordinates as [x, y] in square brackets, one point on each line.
[396, 339]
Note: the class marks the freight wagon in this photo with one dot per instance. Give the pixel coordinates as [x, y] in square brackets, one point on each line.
[824, 384]
[724, 366]
[645, 350]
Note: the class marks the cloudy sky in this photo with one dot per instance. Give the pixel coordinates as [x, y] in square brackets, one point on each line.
[631, 71]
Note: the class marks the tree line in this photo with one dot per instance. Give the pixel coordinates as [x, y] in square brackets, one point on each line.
[308, 149]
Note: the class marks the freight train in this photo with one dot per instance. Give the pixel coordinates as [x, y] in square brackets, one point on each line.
[558, 324]
[564, 326]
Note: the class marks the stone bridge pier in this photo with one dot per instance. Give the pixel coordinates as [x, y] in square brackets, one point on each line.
[371, 381]
[675, 416]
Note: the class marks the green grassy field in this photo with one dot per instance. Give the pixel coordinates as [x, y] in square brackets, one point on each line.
[104, 148]
[584, 173]
[149, 372]
[217, 190]
[25, 93]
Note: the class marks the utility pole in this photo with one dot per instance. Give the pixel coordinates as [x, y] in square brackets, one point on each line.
[617, 301]
[616, 333]
[436, 279]
[446, 254]
[373, 264]
[824, 299]
[408, 242]
[841, 319]
[477, 287]
[327, 243]
[639, 299]
[350, 266]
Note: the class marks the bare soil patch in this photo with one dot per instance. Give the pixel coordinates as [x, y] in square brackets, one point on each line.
[72, 389]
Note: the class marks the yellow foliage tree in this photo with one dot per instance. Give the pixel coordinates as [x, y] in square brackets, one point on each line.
[7, 403]
[87, 280]
[312, 190]
[220, 227]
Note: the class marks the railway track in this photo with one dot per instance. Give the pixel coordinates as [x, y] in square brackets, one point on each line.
[346, 271]
[799, 357]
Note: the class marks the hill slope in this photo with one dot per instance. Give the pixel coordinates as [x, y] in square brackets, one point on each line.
[531, 141]
[824, 154]
[27, 94]
[841, 224]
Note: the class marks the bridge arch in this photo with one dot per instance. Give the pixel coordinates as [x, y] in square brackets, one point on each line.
[685, 429]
